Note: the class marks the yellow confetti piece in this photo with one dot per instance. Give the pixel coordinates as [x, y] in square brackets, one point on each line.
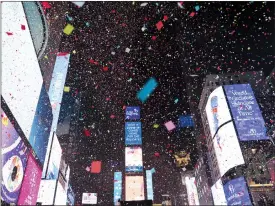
[74, 51]
[68, 29]
[66, 89]
[156, 126]
[46, 57]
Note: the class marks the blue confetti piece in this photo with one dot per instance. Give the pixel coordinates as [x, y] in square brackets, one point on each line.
[176, 101]
[153, 170]
[197, 8]
[147, 89]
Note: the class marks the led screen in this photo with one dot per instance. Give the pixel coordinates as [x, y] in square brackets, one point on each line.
[218, 193]
[30, 186]
[217, 110]
[227, 148]
[246, 113]
[70, 196]
[89, 198]
[21, 75]
[61, 193]
[14, 161]
[117, 186]
[149, 185]
[132, 113]
[46, 192]
[134, 188]
[133, 159]
[133, 133]
[236, 192]
[192, 192]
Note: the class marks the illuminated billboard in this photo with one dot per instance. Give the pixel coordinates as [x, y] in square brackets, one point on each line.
[218, 193]
[89, 198]
[14, 161]
[227, 148]
[132, 113]
[61, 192]
[21, 75]
[149, 185]
[133, 159]
[217, 110]
[31, 183]
[192, 193]
[134, 188]
[46, 192]
[70, 196]
[246, 113]
[117, 186]
[236, 192]
[133, 133]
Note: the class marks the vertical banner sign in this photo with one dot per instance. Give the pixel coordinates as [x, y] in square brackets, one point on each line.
[246, 112]
[133, 133]
[132, 113]
[236, 192]
[117, 186]
[149, 185]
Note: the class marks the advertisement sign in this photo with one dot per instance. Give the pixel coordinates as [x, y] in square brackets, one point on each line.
[133, 133]
[57, 85]
[149, 185]
[192, 193]
[61, 193]
[132, 113]
[46, 192]
[21, 74]
[41, 127]
[89, 198]
[70, 196]
[134, 188]
[14, 161]
[31, 183]
[55, 158]
[246, 112]
[133, 159]
[217, 110]
[63, 167]
[186, 121]
[218, 193]
[117, 186]
[236, 192]
[227, 148]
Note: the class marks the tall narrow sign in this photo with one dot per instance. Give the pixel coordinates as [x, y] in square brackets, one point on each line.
[149, 185]
[133, 133]
[117, 186]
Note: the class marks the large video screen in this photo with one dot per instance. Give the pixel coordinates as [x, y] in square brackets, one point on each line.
[41, 127]
[14, 161]
[236, 192]
[21, 75]
[192, 192]
[61, 192]
[46, 192]
[218, 193]
[70, 196]
[246, 112]
[31, 183]
[133, 133]
[227, 148]
[217, 110]
[117, 186]
[133, 159]
[89, 198]
[134, 188]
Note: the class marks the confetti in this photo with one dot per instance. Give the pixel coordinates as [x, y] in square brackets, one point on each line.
[23, 27]
[127, 50]
[159, 25]
[143, 4]
[192, 14]
[148, 88]
[170, 125]
[197, 8]
[68, 29]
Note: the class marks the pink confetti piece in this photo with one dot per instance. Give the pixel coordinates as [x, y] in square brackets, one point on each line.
[88, 169]
[108, 98]
[23, 27]
[170, 125]
[112, 116]
[9, 33]
[192, 14]
[105, 69]
[159, 25]
[165, 18]
[154, 38]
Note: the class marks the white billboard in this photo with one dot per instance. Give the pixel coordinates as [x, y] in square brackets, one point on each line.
[218, 193]
[61, 194]
[21, 75]
[192, 192]
[217, 110]
[89, 198]
[134, 188]
[227, 148]
[46, 192]
[133, 159]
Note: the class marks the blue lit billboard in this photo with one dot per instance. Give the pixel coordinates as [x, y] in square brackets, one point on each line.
[236, 192]
[41, 126]
[149, 185]
[70, 196]
[246, 113]
[117, 186]
[133, 133]
[132, 113]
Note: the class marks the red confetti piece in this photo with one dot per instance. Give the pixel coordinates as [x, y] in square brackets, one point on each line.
[165, 18]
[198, 69]
[23, 27]
[62, 53]
[113, 11]
[46, 5]
[87, 133]
[192, 14]
[159, 25]
[154, 38]
[105, 69]
[9, 33]
[112, 116]
[157, 154]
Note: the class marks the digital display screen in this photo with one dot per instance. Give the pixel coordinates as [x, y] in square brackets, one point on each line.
[46, 192]
[117, 186]
[192, 192]
[89, 198]
[149, 185]
[133, 133]
[133, 159]
[218, 193]
[14, 161]
[134, 187]
[132, 113]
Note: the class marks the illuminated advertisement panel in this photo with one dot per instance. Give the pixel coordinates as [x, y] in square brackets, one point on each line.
[246, 112]
[31, 183]
[149, 185]
[41, 127]
[218, 193]
[134, 188]
[192, 193]
[132, 113]
[61, 194]
[14, 161]
[133, 133]
[217, 110]
[236, 192]
[21, 75]
[89, 198]
[46, 192]
[227, 148]
[133, 159]
[57, 85]
[55, 158]
[70, 196]
[117, 186]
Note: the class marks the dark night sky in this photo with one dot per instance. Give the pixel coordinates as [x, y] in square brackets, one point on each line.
[221, 37]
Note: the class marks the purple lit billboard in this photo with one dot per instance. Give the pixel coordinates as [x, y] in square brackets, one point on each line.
[246, 113]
